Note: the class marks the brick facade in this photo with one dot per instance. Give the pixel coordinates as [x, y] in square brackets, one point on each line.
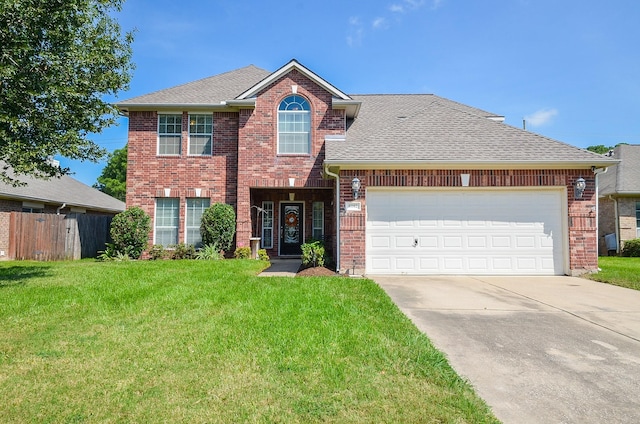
[624, 208]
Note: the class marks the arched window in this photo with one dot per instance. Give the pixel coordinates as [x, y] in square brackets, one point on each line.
[294, 125]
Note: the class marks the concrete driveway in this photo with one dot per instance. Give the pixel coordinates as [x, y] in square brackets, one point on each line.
[536, 349]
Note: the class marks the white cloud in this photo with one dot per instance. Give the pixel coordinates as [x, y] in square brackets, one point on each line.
[396, 8]
[356, 32]
[380, 23]
[541, 117]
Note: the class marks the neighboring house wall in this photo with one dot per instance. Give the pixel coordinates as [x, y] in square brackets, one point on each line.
[606, 223]
[6, 207]
[627, 227]
[583, 246]
[627, 218]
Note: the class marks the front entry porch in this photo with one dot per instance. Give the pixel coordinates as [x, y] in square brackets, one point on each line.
[284, 219]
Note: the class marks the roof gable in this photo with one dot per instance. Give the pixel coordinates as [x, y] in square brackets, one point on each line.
[624, 177]
[293, 64]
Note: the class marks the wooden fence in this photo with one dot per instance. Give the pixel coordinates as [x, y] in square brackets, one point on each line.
[48, 237]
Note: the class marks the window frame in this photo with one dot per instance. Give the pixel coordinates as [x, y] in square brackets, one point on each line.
[304, 113]
[188, 217]
[167, 134]
[209, 133]
[315, 227]
[156, 227]
[268, 208]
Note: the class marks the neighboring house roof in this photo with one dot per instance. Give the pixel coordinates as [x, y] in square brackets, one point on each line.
[624, 177]
[59, 191]
[211, 91]
[423, 130]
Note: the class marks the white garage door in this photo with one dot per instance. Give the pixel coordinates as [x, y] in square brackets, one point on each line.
[465, 232]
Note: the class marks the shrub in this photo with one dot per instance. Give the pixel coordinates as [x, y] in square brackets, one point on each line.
[631, 248]
[130, 231]
[263, 255]
[218, 225]
[242, 253]
[209, 252]
[182, 251]
[157, 252]
[111, 254]
[313, 253]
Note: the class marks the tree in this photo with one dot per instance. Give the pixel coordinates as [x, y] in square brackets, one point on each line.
[602, 149]
[113, 179]
[58, 59]
[218, 226]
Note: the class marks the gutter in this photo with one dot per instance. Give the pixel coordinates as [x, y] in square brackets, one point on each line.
[348, 164]
[337, 177]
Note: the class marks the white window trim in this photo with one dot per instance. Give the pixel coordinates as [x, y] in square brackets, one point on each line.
[158, 134]
[309, 144]
[189, 133]
[155, 218]
[186, 215]
[264, 246]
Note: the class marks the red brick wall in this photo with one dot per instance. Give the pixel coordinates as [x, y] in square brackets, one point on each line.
[149, 174]
[6, 207]
[260, 165]
[583, 249]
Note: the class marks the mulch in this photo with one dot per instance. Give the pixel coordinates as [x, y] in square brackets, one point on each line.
[315, 271]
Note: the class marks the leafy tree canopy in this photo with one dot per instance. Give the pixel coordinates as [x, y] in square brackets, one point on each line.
[58, 59]
[113, 179]
[602, 149]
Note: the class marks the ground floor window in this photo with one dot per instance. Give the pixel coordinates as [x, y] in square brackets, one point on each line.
[195, 208]
[166, 221]
[267, 225]
[318, 221]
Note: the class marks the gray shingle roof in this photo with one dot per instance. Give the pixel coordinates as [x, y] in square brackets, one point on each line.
[207, 91]
[61, 190]
[623, 178]
[427, 128]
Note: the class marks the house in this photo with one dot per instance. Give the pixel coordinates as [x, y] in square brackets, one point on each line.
[394, 184]
[62, 195]
[619, 198]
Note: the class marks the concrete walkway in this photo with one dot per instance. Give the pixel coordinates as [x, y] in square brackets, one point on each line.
[536, 349]
[282, 268]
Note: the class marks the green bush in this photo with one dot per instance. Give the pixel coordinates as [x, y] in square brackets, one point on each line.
[209, 252]
[157, 252]
[263, 255]
[218, 225]
[129, 232]
[183, 251]
[242, 253]
[313, 253]
[631, 248]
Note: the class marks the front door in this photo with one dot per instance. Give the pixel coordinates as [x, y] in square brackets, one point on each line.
[291, 225]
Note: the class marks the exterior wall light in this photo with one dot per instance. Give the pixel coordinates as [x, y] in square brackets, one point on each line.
[355, 187]
[580, 186]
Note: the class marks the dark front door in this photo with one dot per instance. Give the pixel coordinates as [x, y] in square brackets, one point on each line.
[291, 226]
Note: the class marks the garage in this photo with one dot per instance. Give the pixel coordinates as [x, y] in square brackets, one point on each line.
[465, 231]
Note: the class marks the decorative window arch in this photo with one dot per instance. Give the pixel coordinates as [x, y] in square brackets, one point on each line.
[294, 125]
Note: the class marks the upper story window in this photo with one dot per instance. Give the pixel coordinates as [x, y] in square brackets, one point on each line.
[200, 134]
[294, 125]
[169, 134]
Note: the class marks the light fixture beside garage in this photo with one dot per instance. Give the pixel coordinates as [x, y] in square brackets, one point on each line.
[580, 186]
[355, 187]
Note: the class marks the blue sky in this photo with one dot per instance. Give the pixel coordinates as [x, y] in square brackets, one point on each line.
[571, 68]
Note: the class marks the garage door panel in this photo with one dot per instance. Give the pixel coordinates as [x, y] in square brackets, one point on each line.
[486, 232]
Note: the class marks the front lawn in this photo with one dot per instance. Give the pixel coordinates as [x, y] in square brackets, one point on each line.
[198, 341]
[624, 272]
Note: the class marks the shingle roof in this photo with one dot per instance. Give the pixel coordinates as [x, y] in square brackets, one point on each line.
[207, 91]
[623, 178]
[61, 190]
[427, 128]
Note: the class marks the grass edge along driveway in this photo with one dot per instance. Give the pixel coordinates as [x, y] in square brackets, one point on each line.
[198, 341]
[619, 271]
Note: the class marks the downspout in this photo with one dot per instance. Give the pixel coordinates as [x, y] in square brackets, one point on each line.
[617, 223]
[64, 205]
[337, 177]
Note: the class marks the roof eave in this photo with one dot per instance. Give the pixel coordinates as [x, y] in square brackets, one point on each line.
[56, 202]
[125, 108]
[351, 107]
[444, 164]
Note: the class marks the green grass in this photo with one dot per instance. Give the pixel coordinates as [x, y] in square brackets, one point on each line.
[624, 272]
[208, 341]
